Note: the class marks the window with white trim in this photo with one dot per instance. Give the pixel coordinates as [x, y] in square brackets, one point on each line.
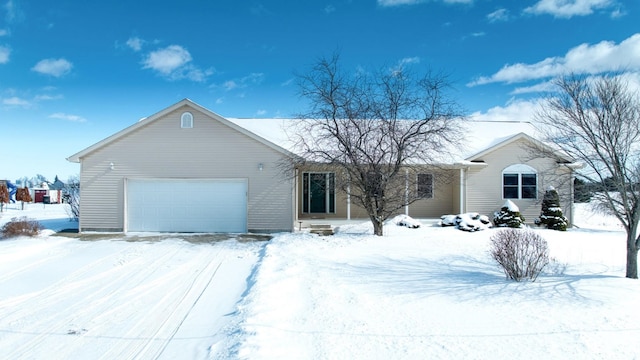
[519, 182]
[424, 186]
[186, 120]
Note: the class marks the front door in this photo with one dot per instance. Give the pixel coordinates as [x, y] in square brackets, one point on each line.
[318, 193]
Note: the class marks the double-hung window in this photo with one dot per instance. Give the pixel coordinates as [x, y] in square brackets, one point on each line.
[425, 186]
[519, 182]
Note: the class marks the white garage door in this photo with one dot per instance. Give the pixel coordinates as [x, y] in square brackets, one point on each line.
[196, 205]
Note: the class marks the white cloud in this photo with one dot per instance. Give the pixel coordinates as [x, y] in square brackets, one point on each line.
[174, 63]
[602, 57]
[409, 60]
[16, 101]
[47, 97]
[12, 11]
[135, 43]
[243, 82]
[517, 110]
[261, 112]
[568, 8]
[4, 32]
[537, 88]
[230, 85]
[329, 9]
[498, 15]
[4, 54]
[68, 117]
[53, 67]
[405, 61]
[167, 60]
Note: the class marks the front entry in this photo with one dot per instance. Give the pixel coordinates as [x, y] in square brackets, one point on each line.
[318, 193]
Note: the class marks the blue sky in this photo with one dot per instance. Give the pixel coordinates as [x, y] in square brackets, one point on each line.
[75, 72]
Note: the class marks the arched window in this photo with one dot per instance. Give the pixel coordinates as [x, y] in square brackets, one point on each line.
[519, 181]
[186, 120]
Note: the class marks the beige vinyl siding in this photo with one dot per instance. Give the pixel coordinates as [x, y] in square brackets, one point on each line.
[440, 204]
[484, 184]
[162, 149]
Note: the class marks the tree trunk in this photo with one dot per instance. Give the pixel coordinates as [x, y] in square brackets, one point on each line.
[377, 225]
[632, 256]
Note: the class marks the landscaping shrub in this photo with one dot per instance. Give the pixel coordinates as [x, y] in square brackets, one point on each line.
[20, 227]
[466, 222]
[522, 254]
[508, 216]
[551, 213]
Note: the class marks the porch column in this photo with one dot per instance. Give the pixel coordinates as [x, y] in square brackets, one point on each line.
[462, 209]
[349, 200]
[406, 192]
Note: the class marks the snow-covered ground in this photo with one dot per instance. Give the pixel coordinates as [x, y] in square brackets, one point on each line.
[426, 293]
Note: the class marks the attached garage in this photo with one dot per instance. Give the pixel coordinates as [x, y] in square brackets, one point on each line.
[185, 169]
[186, 205]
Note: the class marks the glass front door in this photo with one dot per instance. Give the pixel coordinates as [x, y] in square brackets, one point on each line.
[318, 193]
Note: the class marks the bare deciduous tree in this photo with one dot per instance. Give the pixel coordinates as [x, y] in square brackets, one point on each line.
[597, 121]
[72, 196]
[374, 128]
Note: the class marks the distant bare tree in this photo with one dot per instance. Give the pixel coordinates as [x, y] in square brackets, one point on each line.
[72, 196]
[373, 128]
[597, 122]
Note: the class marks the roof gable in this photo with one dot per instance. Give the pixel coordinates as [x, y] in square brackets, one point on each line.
[146, 121]
[503, 142]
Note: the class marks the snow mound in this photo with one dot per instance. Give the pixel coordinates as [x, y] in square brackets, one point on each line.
[406, 220]
[511, 206]
[466, 222]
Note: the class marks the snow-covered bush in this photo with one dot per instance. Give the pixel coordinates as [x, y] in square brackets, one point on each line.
[551, 214]
[406, 220]
[20, 227]
[522, 254]
[466, 222]
[508, 216]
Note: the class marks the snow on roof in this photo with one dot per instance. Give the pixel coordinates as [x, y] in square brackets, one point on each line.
[479, 134]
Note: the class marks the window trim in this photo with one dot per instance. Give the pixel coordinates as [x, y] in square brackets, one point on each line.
[519, 170]
[186, 120]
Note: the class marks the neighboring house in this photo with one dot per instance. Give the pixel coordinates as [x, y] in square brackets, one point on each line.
[187, 169]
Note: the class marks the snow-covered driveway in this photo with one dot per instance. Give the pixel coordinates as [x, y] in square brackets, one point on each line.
[63, 298]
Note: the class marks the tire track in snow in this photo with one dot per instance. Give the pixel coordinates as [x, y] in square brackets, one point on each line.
[93, 297]
[12, 271]
[148, 338]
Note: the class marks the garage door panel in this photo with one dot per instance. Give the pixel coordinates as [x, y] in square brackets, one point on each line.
[218, 205]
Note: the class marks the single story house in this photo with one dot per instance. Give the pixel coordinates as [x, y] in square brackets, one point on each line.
[188, 169]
